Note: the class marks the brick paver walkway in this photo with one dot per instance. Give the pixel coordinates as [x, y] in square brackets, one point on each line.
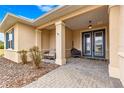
[77, 73]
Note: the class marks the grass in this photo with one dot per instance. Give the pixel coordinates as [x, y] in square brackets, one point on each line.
[1, 52]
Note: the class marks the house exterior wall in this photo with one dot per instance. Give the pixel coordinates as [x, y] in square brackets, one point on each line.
[52, 39]
[45, 40]
[49, 40]
[24, 38]
[121, 45]
[116, 67]
[114, 29]
[68, 42]
[77, 38]
[9, 53]
[38, 39]
[24, 33]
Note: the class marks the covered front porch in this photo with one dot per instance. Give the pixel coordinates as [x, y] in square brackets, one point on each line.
[64, 35]
[96, 31]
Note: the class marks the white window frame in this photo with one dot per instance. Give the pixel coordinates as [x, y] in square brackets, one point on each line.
[10, 41]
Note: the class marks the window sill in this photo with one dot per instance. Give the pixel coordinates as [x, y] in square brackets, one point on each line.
[10, 49]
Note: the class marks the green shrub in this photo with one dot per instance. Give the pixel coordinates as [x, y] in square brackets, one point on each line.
[35, 55]
[23, 55]
[1, 46]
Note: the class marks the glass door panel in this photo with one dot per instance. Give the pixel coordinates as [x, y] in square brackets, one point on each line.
[93, 44]
[87, 44]
[98, 44]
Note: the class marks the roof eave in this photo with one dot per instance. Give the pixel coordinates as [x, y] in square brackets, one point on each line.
[48, 13]
[19, 19]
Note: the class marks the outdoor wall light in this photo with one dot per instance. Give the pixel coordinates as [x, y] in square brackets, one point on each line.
[90, 26]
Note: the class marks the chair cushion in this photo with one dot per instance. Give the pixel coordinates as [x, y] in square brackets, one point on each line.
[75, 52]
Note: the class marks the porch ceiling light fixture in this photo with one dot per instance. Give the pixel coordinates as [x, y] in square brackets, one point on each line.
[90, 25]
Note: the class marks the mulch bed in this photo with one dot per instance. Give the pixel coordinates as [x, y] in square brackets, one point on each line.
[15, 75]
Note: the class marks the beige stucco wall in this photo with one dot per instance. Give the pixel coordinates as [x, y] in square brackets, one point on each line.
[68, 41]
[48, 39]
[78, 40]
[26, 35]
[24, 38]
[121, 67]
[9, 53]
[52, 37]
[116, 66]
[114, 29]
[38, 38]
[121, 45]
[45, 40]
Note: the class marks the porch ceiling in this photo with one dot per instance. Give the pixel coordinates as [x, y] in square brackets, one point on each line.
[98, 16]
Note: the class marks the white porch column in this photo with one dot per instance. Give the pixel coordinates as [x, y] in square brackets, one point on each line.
[114, 30]
[121, 45]
[38, 38]
[60, 43]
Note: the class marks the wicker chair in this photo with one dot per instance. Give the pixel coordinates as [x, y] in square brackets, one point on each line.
[75, 52]
[50, 54]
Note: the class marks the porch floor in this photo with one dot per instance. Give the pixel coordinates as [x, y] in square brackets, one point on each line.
[83, 73]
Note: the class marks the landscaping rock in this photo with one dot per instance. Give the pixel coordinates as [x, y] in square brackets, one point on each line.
[18, 75]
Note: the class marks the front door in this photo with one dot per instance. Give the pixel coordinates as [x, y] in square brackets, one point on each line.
[93, 44]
